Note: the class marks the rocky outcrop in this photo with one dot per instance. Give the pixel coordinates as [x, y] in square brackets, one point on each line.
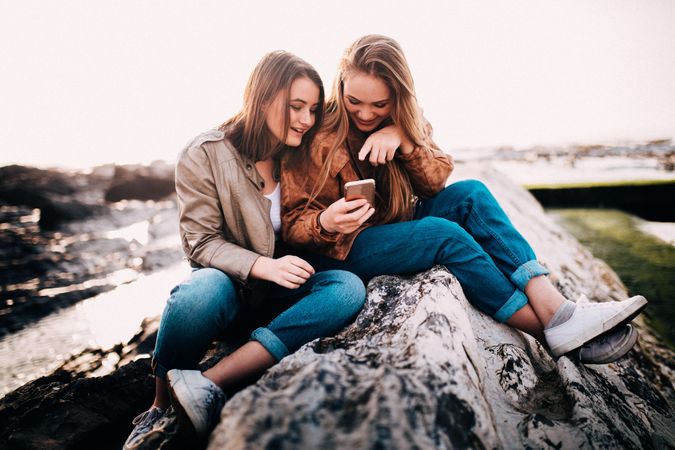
[63, 196]
[141, 182]
[54, 193]
[57, 412]
[421, 368]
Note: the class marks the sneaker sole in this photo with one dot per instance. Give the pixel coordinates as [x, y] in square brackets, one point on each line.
[185, 424]
[622, 318]
[619, 352]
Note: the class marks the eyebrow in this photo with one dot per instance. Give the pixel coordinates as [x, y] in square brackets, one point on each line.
[378, 101]
[303, 101]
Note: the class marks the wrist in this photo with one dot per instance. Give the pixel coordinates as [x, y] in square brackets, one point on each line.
[322, 223]
[259, 268]
[406, 148]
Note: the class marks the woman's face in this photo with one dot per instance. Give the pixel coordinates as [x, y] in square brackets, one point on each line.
[304, 99]
[367, 99]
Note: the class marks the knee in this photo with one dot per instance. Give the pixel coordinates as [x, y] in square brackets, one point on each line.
[471, 188]
[437, 227]
[347, 294]
[207, 291]
[440, 237]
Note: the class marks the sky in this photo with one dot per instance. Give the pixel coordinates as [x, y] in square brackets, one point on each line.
[84, 83]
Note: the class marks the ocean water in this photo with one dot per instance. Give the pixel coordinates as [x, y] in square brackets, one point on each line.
[99, 322]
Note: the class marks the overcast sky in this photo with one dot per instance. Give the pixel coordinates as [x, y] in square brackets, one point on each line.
[88, 82]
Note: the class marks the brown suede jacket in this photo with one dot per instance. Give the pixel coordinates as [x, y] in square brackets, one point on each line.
[427, 166]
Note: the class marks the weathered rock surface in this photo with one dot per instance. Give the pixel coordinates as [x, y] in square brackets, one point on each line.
[419, 368]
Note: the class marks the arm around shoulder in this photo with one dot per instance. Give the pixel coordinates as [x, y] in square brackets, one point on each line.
[428, 166]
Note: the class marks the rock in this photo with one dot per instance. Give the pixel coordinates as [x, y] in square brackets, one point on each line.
[54, 412]
[51, 191]
[419, 368]
[69, 410]
[142, 183]
[84, 404]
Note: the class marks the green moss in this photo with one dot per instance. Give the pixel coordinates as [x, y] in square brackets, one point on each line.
[644, 263]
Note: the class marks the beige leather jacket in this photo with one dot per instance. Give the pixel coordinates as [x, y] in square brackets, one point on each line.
[223, 216]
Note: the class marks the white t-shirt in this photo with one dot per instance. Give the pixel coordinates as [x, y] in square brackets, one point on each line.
[275, 210]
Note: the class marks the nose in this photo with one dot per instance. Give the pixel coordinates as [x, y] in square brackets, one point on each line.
[365, 114]
[306, 118]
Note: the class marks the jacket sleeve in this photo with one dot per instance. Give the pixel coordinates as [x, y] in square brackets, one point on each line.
[201, 220]
[300, 224]
[428, 166]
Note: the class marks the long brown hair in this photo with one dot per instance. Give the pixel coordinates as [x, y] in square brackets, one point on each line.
[383, 57]
[275, 73]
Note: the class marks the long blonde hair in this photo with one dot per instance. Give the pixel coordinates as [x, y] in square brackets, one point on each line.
[383, 57]
[275, 73]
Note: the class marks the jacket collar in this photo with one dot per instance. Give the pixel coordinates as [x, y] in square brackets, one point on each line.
[353, 144]
[339, 161]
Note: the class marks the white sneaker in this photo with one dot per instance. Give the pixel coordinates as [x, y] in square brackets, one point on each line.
[590, 320]
[196, 399]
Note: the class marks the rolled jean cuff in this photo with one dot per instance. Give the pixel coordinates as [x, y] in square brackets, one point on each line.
[157, 369]
[526, 272]
[513, 304]
[271, 343]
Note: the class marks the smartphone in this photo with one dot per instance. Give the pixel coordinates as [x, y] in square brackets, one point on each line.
[361, 189]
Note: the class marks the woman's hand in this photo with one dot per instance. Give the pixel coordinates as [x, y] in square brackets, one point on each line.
[288, 271]
[381, 146]
[346, 216]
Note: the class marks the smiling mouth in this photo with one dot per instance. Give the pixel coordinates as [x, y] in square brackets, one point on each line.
[367, 122]
[299, 130]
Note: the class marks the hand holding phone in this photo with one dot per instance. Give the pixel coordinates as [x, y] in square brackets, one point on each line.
[345, 216]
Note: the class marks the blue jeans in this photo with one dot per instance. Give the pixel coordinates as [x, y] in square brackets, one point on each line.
[203, 307]
[463, 228]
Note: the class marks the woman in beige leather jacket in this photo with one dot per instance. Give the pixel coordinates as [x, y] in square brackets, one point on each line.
[229, 192]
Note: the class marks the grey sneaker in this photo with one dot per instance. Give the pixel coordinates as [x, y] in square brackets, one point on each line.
[609, 347]
[143, 424]
[196, 399]
[162, 432]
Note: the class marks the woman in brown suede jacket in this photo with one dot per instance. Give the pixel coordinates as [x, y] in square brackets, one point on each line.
[374, 129]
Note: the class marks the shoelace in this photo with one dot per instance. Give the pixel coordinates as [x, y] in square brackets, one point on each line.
[142, 416]
[139, 418]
